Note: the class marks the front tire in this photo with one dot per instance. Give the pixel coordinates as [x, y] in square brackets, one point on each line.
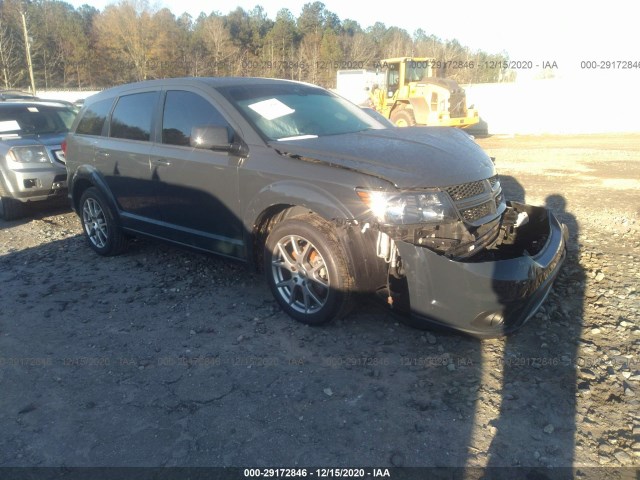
[403, 117]
[307, 271]
[99, 224]
[10, 208]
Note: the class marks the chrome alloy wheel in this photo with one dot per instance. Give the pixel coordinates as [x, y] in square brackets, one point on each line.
[300, 274]
[95, 223]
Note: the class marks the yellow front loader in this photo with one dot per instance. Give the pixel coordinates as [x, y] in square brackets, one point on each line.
[410, 93]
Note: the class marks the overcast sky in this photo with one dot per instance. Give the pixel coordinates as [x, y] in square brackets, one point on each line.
[567, 32]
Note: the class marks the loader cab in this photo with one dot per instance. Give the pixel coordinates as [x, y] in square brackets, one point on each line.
[403, 71]
[394, 78]
[417, 70]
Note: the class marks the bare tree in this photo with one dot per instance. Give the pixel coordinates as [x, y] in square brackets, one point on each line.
[8, 61]
[217, 39]
[134, 40]
[359, 48]
[397, 43]
[310, 54]
[130, 35]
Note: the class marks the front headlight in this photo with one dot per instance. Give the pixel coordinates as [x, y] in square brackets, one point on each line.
[33, 154]
[406, 208]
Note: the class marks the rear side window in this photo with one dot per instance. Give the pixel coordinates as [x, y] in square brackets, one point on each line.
[94, 117]
[132, 117]
[183, 111]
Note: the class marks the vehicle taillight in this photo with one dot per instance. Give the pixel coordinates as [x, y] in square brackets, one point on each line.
[64, 146]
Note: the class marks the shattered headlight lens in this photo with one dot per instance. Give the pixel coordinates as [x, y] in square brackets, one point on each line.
[407, 208]
[33, 154]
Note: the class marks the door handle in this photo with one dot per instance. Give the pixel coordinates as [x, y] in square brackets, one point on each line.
[161, 161]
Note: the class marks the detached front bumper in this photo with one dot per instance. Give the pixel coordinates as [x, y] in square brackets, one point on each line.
[490, 296]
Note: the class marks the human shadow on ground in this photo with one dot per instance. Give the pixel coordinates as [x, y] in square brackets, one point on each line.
[539, 368]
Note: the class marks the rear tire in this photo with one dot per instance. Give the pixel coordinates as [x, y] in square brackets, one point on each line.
[403, 117]
[306, 269]
[100, 225]
[10, 208]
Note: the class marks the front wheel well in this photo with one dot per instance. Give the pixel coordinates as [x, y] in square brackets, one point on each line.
[79, 187]
[359, 245]
[266, 221]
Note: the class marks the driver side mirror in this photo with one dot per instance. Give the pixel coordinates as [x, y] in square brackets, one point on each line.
[210, 137]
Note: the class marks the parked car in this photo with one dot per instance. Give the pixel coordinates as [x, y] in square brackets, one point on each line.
[328, 201]
[31, 159]
[16, 95]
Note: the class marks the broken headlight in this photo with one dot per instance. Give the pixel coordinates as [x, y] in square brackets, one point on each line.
[407, 208]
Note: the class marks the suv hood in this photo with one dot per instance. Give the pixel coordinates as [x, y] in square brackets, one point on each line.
[413, 157]
[49, 140]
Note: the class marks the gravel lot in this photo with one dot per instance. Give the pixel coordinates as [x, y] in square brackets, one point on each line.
[164, 357]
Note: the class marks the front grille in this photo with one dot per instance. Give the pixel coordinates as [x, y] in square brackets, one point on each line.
[466, 190]
[475, 213]
[477, 200]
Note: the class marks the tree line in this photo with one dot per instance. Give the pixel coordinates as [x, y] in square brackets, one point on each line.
[85, 48]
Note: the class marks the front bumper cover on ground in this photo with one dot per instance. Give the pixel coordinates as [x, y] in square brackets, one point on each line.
[485, 298]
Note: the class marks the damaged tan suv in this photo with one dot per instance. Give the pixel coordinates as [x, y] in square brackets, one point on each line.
[328, 201]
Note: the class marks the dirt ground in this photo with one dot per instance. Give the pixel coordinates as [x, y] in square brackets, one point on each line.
[164, 357]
